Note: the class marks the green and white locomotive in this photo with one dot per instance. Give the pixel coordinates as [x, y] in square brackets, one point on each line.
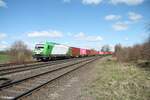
[48, 50]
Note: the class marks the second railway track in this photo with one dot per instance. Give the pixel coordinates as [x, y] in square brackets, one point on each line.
[16, 69]
[20, 88]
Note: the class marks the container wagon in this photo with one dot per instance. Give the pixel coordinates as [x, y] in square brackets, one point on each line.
[75, 52]
[88, 52]
[83, 52]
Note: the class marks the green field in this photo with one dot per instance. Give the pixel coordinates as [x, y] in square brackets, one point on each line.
[4, 58]
[118, 81]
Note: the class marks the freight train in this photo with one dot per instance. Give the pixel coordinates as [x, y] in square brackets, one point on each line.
[49, 50]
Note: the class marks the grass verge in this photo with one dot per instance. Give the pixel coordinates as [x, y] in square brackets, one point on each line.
[115, 81]
[4, 58]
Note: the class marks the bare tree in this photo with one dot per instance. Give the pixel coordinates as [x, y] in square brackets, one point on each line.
[128, 53]
[146, 45]
[20, 52]
[105, 48]
[136, 52]
[120, 52]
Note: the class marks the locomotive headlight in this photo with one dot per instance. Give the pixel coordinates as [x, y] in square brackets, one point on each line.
[38, 52]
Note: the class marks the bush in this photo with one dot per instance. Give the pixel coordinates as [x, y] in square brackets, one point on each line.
[19, 52]
[146, 50]
[136, 52]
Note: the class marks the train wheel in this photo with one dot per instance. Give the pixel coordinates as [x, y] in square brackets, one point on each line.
[38, 59]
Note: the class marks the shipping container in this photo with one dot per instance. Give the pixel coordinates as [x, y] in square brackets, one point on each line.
[108, 53]
[101, 53]
[92, 52]
[82, 52]
[75, 51]
[88, 52]
[97, 53]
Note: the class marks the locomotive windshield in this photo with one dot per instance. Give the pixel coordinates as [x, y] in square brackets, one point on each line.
[39, 46]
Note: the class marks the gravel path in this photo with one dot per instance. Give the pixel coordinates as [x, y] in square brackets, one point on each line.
[69, 87]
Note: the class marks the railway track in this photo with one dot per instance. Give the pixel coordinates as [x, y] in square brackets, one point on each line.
[14, 64]
[16, 69]
[23, 87]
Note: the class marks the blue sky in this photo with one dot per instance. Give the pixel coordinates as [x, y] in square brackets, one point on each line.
[81, 23]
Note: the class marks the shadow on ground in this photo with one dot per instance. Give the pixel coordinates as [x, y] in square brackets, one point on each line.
[144, 65]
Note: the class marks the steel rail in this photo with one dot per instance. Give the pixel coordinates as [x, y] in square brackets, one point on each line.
[21, 64]
[30, 67]
[30, 91]
[12, 64]
[24, 79]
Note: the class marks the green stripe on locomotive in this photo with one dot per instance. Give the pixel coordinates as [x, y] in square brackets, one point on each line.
[48, 47]
[69, 53]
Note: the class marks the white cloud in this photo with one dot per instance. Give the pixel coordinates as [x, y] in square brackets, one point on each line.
[91, 2]
[51, 34]
[112, 17]
[3, 46]
[114, 2]
[128, 2]
[2, 3]
[120, 26]
[2, 35]
[4, 42]
[82, 36]
[66, 1]
[134, 16]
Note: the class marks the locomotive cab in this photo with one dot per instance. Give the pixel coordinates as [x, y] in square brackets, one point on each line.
[42, 51]
[38, 52]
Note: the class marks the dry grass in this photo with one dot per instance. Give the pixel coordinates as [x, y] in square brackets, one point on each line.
[4, 58]
[116, 81]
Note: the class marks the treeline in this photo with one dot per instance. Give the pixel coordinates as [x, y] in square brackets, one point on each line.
[134, 53]
[18, 52]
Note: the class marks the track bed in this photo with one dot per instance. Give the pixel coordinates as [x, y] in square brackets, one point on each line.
[24, 86]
